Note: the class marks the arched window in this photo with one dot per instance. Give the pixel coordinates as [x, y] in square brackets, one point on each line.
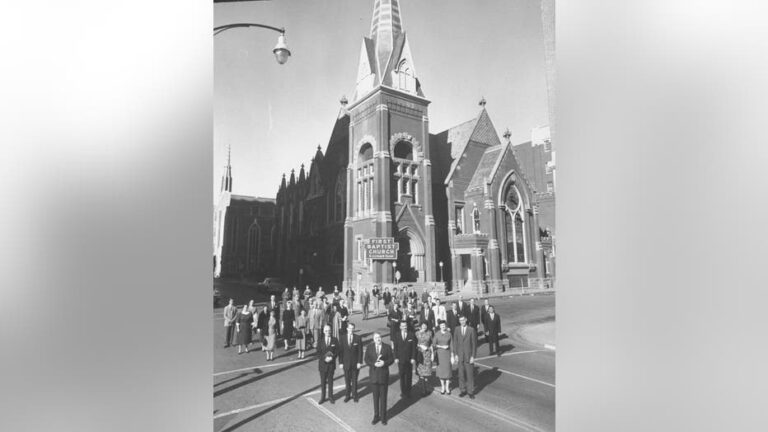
[364, 180]
[406, 171]
[404, 78]
[339, 196]
[476, 219]
[404, 150]
[514, 226]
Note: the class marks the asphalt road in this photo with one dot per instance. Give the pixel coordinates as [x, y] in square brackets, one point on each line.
[515, 392]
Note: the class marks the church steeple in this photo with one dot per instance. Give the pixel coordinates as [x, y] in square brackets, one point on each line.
[226, 179]
[385, 57]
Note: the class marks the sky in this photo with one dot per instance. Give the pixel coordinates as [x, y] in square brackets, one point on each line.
[274, 116]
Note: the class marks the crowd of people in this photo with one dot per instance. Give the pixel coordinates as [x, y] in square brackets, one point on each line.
[427, 338]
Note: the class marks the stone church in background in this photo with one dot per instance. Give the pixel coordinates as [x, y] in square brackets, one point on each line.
[243, 228]
[467, 210]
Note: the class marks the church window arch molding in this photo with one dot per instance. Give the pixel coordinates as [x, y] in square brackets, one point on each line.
[404, 78]
[512, 202]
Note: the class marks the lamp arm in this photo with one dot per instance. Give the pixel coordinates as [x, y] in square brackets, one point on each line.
[219, 29]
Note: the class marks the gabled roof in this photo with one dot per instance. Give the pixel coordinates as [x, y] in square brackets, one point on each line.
[479, 130]
[485, 168]
[251, 199]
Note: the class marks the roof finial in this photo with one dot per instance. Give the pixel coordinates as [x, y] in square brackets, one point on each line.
[482, 102]
[229, 154]
[343, 102]
[507, 134]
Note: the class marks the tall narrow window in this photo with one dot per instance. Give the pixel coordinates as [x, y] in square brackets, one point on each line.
[514, 226]
[476, 220]
[406, 171]
[364, 180]
[459, 219]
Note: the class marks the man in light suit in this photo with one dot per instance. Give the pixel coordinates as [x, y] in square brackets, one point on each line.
[327, 350]
[465, 350]
[230, 312]
[379, 357]
[351, 361]
[404, 345]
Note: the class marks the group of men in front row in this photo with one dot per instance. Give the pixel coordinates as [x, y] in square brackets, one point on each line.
[406, 349]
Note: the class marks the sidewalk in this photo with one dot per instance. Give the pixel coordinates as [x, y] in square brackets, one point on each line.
[541, 334]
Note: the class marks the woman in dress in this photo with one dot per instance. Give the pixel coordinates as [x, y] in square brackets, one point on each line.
[243, 328]
[271, 335]
[262, 320]
[301, 336]
[425, 357]
[442, 344]
[289, 321]
[335, 321]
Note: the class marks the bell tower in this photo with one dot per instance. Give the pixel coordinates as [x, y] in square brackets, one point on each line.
[389, 180]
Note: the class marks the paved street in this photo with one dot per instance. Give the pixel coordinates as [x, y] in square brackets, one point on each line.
[515, 392]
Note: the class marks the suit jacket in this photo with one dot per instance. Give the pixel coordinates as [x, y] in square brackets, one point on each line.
[463, 308]
[405, 350]
[387, 297]
[473, 316]
[493, 326]
[484, 315]
[324, 349]
[429, 319]
[465, 346]
[351, 355]
[379, 375]
[394, 317]
[451, 319]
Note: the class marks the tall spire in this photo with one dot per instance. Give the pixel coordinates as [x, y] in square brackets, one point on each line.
[385, 28]
[226, 179]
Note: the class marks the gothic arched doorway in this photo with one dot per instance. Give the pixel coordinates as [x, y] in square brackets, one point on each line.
[410, 256]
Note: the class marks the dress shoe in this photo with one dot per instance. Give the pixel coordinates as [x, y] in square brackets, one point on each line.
[321, 401]
[384, 422]
[375, 420]
[462, 394]
[332, 401]
[471, 396]
[346, 399]
[356, 399]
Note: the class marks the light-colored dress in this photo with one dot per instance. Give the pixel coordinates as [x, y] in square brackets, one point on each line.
[271, 333]
[301, 340]
[443, 354]
[424, 344]
[336, 325]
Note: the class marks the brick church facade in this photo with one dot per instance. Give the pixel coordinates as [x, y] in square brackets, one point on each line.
[457, 203]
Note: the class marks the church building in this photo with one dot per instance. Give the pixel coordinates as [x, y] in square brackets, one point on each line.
[389, 202]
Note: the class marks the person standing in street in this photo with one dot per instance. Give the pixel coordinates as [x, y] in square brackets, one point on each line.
[404, 345]
[243, 326]
[273, 305]
[443, 346]
[351, 361]
[350, 298]
[492, 329]
[288, 323]
[319, 322]
[301, 334]
[365, 298]
[427, 316]
[452, 317]
[394, 316]
[230, 312]
[473, 314]
[484, 317]
[426, 355]
[464, 352]
[271, 335]
[328, 350]
[387, 297]
[379, 357]
[376, 298]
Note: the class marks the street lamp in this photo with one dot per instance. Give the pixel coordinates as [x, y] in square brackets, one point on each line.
[441, 271]
[394, 270]
[281, 50]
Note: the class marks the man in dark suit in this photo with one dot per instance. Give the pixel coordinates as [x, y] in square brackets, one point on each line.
[394, 316]
[484, 317]
[473, 315]
[273, 305]
[379, 357]
[493, 328]
[462, 306]
[452, 317]
[404, 344]
[427, 315]
[351, 360]
[387, 298]
[327, 350]
[465, 350]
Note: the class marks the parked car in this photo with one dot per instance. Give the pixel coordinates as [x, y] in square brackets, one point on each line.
[272, 285]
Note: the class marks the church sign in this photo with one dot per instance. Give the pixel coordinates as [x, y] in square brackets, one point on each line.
[382, 248]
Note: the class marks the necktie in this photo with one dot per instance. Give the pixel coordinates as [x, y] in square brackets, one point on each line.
[403, 335]
[463, 331]
[378, 349]
[327, 341]
[350, 339]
